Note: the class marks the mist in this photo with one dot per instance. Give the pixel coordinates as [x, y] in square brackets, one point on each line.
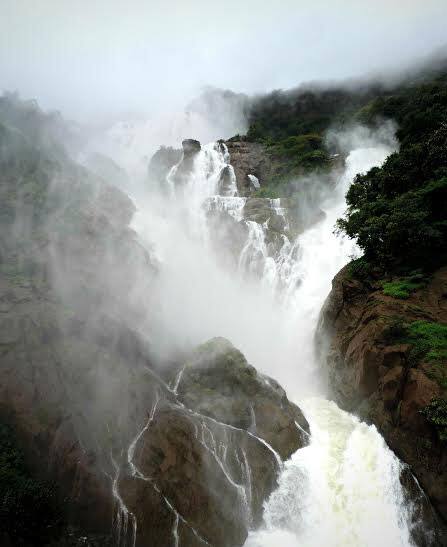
[107, 60]
[268, 307]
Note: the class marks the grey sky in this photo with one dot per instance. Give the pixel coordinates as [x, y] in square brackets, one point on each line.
[100, 56]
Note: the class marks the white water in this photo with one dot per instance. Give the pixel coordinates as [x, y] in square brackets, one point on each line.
[343, 489]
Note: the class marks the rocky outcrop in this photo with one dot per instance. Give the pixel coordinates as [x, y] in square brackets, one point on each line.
[180, 174]
[248, 158]
[210, 450]
[374, 371]
[217, 381]
[190, 148]
[161, 164]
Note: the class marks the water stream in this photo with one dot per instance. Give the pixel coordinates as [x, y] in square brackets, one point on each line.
[344, 487]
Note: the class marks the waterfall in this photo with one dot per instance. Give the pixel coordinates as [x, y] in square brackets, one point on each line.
[344, 487]
[342, 490]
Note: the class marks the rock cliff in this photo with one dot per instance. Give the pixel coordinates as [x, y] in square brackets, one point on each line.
[377, 344]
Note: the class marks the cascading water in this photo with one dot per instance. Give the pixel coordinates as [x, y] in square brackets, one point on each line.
[345, 485]
[339, 491]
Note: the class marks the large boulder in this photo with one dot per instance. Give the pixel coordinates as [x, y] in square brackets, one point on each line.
[210, 451]
[217, 381]
[180, 174]
[161, 164]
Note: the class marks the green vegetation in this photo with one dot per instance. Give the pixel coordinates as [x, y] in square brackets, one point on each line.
[428, 342]
[402, 288]
[397, 212]
[303, 111]
[359, 268]
[292, 126]
[267, 191]
[430, 337]
[436, 414]
[28, 507]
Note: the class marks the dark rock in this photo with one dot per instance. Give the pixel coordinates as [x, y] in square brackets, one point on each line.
[161, 164]
[218, 382]
[248, 158]
[190, 147]
[181, 173]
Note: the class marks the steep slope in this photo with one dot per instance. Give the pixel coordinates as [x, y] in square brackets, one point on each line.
[376, 369]
[92, 410]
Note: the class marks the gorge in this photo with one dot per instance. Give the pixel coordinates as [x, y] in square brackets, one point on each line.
[175, 367]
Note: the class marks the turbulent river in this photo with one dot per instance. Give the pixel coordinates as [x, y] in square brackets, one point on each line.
[343, 489]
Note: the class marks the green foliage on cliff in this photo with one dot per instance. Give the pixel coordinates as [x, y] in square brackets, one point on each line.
[282, 114]
[436, 414]
[402, 288]
[429, 344]
[397, 212]
[28, 507]
[292, 126]
[428, 341]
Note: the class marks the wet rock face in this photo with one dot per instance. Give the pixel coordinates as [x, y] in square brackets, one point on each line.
[210, 451]
[372, 374]
[161, 164]
[225, 183]
[218, 382]
[196, 473]
[248, 158]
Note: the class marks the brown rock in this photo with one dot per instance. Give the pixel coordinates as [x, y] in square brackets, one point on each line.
[370, 373]
[418, 392]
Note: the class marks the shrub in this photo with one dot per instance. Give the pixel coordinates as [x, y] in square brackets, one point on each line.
[402, 288]
[436, 414]
[267, 192]
[359, 268]
[395, 331]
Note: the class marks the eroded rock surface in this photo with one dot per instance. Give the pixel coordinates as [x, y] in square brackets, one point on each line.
[372, 371]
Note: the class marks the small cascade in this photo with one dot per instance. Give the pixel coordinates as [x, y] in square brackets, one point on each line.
[233, 206]
[275, 205]
[276, 457]
[133, 444]
[219, 452]
[254, 255]
[255, 181]
[125, 536]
